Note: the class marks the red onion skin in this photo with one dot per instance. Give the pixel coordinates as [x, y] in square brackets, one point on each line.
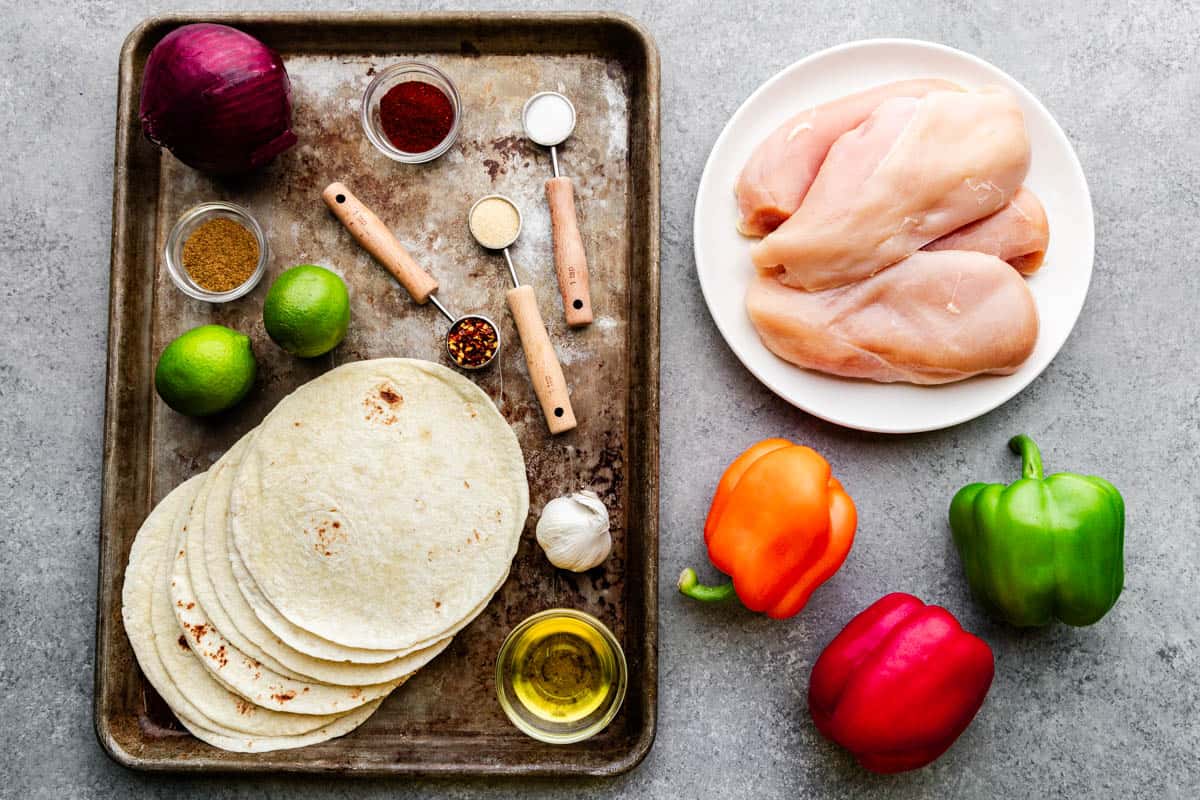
[217, 98]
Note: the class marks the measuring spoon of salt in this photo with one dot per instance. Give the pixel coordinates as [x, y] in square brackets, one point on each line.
[548, 119]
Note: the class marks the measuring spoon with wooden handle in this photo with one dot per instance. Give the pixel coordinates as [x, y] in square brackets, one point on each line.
[545, 371]
[378, 240]
[548, 119]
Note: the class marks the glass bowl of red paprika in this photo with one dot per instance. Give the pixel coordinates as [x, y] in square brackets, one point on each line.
[411, 112]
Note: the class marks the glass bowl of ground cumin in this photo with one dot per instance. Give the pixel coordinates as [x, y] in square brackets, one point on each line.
[411, 112]
[216, 252]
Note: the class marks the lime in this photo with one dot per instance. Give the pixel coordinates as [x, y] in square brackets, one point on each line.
[206, 370]
[307, 310]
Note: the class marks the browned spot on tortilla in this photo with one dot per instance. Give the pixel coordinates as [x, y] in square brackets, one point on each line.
[283, 697]
[183, 641]
[296, 423]
[477, 534]
[198, 631]
[222, 658]
[357, 693]
[381, 405]
[437, 603]
[466, 484]
[326, 534]
[244, 706]
[190, 606]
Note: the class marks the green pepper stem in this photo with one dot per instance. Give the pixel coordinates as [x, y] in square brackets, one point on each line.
[690, 585]
[1031, 457]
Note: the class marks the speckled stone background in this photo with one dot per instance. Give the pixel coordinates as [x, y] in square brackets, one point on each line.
[1110, 711]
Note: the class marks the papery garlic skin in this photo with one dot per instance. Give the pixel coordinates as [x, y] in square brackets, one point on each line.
[573, 530]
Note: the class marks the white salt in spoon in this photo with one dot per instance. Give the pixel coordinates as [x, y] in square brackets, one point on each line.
[549, 118]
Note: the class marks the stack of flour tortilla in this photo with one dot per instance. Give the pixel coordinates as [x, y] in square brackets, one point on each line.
[275, 600]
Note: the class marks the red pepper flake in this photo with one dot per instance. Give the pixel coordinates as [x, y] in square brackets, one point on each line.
[472, 342]
[415, 116]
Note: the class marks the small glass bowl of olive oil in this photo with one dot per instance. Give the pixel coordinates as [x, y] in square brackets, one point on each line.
[561, 676]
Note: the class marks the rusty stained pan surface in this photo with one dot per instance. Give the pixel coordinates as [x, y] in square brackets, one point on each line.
[446, 719]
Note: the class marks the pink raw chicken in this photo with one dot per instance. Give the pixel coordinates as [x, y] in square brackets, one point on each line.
[935, 317]
[1017, 233]
[915, 171]
[783, 166]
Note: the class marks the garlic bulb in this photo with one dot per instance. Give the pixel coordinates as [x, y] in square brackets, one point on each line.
[573, 530]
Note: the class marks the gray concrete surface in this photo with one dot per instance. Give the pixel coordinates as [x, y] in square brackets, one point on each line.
[1111, 711]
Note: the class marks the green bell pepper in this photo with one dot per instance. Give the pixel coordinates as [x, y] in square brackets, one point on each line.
[1042, 548]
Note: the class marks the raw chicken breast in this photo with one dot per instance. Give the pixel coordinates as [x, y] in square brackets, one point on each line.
[782, 167]
[914, 171]
[1017, 233]
[935, 317]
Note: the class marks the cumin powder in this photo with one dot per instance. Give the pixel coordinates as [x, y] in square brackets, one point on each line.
[220, 255]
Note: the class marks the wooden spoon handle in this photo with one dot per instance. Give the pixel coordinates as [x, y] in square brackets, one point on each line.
[378, 240]
[544, 370]
[570, 260]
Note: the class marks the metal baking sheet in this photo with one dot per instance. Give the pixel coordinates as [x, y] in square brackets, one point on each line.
[446, 720]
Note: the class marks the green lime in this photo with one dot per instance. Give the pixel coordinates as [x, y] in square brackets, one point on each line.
[206, 370]
[307, 311]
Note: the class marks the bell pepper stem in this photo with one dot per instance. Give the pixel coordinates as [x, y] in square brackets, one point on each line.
[1031, 457]
[690, 585]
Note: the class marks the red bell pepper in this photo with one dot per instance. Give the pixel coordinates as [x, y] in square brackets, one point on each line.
[899, 684]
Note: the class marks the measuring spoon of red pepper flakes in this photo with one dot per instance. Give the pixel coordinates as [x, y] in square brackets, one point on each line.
[473, 340]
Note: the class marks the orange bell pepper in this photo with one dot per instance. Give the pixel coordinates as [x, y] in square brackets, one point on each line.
[780, 525]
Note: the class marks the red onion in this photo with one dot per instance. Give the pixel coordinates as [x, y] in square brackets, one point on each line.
[217, 98]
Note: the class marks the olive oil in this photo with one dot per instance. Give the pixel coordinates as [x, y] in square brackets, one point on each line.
[563, 670]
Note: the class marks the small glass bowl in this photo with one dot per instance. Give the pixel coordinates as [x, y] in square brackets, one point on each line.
[191, 219]
[535, 726]
[401, 73]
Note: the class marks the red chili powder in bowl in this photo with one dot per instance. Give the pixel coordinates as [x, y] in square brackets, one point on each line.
[415, 116]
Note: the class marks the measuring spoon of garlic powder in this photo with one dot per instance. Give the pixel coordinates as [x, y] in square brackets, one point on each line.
[549, 119]
[467, 340]
[495, 222]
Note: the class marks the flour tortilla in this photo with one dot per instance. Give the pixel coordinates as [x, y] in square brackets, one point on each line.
[380, 504]
[243, 743]
[244, 675]
[237, 621]
[309, 643]
[144, 582]
[202, 585]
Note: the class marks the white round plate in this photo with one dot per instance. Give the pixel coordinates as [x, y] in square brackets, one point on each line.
[723, 255]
